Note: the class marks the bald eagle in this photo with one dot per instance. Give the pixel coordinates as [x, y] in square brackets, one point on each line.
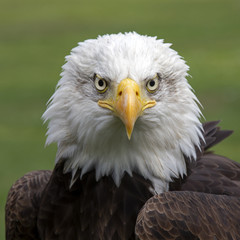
[133, 159]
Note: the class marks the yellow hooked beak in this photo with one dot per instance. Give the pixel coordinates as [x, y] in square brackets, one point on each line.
[128, 103]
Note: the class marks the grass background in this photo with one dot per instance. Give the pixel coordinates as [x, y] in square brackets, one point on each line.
[36, 35]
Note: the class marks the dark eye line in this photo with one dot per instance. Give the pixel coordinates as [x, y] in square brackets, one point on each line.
[94, 77]
[107, 80]
[159, 77]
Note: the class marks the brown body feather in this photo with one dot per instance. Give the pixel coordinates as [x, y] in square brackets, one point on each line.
[203, 205]
[90, 209]
[189, 215]
[23, 204]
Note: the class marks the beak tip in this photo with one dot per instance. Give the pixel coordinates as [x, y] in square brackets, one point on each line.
[129, 136]
[129, 133]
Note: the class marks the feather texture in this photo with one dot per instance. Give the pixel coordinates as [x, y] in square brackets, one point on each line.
[22, 205]
[189, 215]
[90, 209]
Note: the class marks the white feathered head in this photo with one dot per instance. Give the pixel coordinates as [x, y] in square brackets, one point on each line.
[123, 104]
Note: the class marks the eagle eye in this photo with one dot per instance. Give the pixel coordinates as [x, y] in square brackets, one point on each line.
[152, 84]
[100, 83]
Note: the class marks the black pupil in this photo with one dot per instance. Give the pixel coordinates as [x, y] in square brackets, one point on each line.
[152, 83]
[100, 83]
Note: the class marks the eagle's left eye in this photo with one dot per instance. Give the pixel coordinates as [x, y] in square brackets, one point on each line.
[100, 83]
[152, 84]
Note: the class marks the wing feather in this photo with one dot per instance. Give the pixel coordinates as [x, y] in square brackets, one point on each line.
[189, 215]
[214, 174]
[22, 205]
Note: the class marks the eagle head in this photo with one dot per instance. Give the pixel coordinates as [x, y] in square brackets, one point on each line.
[123, 104]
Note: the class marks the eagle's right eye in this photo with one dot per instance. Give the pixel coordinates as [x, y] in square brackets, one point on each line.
[100, 83]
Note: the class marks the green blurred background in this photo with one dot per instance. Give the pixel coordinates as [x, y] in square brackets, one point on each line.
[36, 35]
